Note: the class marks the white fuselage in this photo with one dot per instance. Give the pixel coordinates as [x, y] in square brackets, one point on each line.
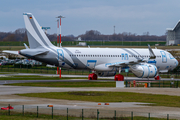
[91, 57]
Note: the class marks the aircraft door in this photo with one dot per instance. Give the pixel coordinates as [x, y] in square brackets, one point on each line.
[91, 63]
[164, 57]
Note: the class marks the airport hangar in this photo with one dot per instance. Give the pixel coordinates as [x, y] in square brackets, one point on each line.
[173, 35]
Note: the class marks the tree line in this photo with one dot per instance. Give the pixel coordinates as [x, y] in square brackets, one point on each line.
[20, 35]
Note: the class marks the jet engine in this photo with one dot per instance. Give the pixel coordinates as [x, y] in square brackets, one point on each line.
[144, 70]
[106, 74]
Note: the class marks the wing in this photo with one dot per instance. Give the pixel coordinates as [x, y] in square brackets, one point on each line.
[121, 64]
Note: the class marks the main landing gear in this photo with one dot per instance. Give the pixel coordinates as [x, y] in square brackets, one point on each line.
[92, 76]
[157, 77]
[119, 77]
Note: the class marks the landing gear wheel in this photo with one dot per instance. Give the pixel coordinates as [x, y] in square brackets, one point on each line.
[119, 77]
[92, 76]
[157, 78]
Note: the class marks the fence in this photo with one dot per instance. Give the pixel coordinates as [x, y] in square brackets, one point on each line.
[157, 83]
[48, 70]
[41, 69]
[92, 43]
[62, 113]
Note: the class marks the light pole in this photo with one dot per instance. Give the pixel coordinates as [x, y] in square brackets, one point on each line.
[59, 39]
[60, 29]
[57, 32]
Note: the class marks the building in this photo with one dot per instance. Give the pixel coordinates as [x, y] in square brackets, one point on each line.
[82, 44]
[173, 35]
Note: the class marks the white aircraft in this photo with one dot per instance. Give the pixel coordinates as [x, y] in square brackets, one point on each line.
[144, 63]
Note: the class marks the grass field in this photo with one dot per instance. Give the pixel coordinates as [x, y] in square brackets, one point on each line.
[157, 100]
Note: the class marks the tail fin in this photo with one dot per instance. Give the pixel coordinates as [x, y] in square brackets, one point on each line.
[36, 36]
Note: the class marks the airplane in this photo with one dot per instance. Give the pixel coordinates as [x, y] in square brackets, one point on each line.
[144, 63]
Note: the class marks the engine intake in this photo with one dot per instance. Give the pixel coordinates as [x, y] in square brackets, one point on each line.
[144, 71]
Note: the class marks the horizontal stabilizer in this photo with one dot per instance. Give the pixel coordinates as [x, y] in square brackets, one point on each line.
[37, 53]
[41, 53]
[33, 52]
[11, 52]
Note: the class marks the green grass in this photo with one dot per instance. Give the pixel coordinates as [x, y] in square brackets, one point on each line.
[68, 84]
[157, 100]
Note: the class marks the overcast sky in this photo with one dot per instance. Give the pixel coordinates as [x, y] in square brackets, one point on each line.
[135, 16]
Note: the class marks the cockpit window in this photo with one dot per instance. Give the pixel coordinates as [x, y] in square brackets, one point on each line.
[171, 57]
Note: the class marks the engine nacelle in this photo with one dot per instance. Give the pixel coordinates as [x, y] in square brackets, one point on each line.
[106, 74]
[103, 67]
[144, 70]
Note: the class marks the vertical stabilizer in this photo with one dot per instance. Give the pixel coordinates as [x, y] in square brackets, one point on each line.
[36, 36]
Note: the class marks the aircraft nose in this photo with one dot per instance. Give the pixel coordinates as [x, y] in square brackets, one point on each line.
[176, 62]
